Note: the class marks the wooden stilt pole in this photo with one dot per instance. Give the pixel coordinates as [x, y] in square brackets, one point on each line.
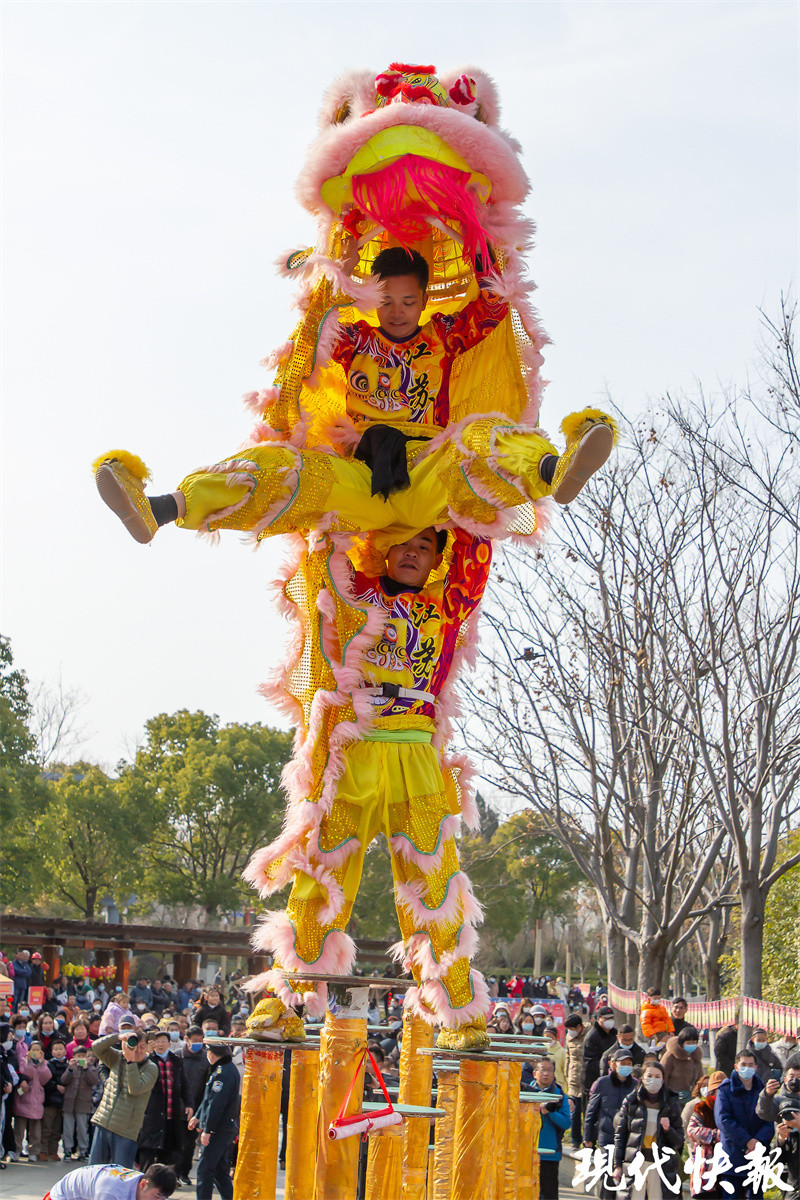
[342, 1041]
[473, 1161]
[510, 1186]
[525, 1143]
[446, 1098]
[301, 1141]
[257, 1161]
[500, 1131]
[416, 1077]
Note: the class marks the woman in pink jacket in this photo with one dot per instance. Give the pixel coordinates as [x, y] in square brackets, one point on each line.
[29, 1100]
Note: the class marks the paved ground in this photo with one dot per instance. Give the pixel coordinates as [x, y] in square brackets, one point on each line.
[30, 1181]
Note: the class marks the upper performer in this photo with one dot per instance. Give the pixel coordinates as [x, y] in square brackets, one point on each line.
[415, 325]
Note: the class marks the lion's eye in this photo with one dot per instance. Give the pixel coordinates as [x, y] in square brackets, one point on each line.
[342, 113]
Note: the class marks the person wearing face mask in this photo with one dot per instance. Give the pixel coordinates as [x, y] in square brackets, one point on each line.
[53, 1102]
[575, 1035]
[9, 1078]
[79, 1082]
[601, 1037]
[159, 1137]
[649, 1117]
[699, 1092]
[740, 1126]
[785, 1048]
[779, 1091]
[626, 1040]
[195, 1069]
[767, 1060]
[683, 1063]
[702, 1135]
[605, 1101]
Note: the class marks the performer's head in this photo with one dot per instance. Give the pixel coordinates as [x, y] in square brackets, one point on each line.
[411, 562]
[404, 276]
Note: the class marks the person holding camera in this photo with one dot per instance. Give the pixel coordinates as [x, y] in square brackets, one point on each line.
[132, 1077]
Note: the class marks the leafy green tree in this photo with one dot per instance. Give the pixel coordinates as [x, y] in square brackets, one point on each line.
[520, 874]
[23, 794]
[89, 840]
[215, 797]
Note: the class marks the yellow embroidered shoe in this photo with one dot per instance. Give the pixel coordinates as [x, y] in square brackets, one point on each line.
[272, 1021]
[120, 479]
[472, 1036]
[590, 436]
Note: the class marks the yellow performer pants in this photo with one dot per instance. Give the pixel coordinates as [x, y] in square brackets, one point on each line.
[396, 788]
[487, 468]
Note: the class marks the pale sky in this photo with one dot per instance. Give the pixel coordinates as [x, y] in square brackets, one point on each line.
[149, 157]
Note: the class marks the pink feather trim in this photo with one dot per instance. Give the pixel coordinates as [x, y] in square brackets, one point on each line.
[448, 827]
[459, 902]
[275, 357]
[418, 953]
[433, 994]
[275, 934]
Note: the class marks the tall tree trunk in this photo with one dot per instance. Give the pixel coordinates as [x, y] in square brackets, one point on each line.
[615, 953]
[751, 942]
[631, 965]
[651, 964]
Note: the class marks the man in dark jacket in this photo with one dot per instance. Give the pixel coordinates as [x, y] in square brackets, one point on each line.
[740, 1127]
[217, 1119]
[677, 1012]
[725, 1049]
[195, 1071]
[605, 1101]
[778, 1093]
[163, 1117]
[767, 1060]
[626, 1040]
[601, 1037]
[159, 999]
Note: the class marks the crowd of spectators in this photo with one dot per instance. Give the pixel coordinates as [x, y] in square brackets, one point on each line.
[105, 1075]
[100, 1075]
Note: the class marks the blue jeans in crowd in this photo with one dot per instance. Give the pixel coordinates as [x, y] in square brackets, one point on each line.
[108, 1147]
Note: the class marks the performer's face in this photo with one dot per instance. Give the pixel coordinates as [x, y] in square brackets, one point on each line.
[411, 562]
[402, 305]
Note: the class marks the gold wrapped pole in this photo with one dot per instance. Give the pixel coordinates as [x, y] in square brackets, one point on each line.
[473, 1153]
[535, 1160]
[416, 1078]
[385, 1164]
[301, 1141]
[510, 1186]
[446, 1098]
[257, 1161]
[342, 1041]
[500, 1130]
[525, 1144]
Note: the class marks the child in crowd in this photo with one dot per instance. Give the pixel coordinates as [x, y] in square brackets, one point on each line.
[53, 1100]
[79, 1082]
[654, 1017]
[29, 1100]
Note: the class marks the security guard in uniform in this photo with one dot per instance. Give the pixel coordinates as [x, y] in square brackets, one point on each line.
[217, 1118]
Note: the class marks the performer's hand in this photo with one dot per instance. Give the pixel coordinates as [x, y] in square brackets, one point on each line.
[205, 1138]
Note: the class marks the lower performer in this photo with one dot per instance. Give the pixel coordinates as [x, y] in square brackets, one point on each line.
[376, 764]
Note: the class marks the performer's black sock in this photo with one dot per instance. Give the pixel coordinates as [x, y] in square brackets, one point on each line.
[165, 509]
[547, 467]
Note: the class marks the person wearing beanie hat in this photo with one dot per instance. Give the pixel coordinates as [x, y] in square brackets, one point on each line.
[601, 1037]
